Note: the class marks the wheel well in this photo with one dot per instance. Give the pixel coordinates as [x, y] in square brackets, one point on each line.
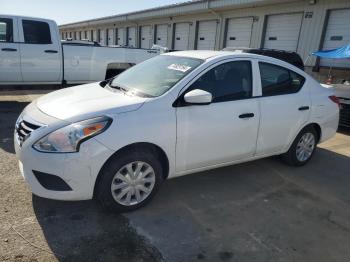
[137, 147]
[114, 69]
[317, 129]
[110, 73]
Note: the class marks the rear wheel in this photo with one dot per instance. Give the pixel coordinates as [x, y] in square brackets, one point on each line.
[129, 181]
[303, 147]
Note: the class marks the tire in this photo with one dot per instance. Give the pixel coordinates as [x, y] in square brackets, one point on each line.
[291, 157]
[121, 166]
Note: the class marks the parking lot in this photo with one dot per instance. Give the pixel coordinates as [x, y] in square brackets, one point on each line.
[257, 211]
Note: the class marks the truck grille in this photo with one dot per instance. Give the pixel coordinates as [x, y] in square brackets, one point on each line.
[24, 129]
[345, 115]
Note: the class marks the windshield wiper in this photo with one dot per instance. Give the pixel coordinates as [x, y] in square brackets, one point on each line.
[128, 90]
[120, 88]
[117, 87]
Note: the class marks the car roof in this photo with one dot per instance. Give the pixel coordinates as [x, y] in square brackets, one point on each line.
[207, 54]
[199, 54]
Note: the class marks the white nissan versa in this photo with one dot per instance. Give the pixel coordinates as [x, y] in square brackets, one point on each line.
[172, 115]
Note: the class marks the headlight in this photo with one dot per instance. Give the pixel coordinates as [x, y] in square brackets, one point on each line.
[68, 139]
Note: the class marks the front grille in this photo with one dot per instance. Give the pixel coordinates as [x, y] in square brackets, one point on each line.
[24, 129]
[344, 115]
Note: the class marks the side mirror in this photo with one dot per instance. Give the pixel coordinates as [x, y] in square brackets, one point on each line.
[198, 97]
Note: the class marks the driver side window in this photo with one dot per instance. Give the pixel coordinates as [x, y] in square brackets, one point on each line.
[227, 82]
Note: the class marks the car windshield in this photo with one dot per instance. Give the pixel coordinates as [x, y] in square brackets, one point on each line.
[155, 76]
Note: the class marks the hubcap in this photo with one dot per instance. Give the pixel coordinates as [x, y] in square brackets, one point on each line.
[133, 183]
[305, 147]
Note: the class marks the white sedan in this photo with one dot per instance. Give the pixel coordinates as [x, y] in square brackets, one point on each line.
[175, 114]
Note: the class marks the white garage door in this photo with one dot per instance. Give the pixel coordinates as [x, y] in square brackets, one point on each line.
[132, 36]
[206, 35]
[121, 36]
[162, 35]
[182, 33]
[110, 36]
[282, 31]
[146, 36]
[239, 32]
[102, 37]
[337, 35]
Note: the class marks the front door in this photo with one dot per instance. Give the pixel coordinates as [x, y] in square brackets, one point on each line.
[10, 67]
[225, 130]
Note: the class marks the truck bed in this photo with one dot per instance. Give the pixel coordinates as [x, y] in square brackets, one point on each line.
[96, 60]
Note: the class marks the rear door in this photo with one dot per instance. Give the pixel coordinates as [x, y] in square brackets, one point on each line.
[10, 69]
[285, 107]
[40, 51]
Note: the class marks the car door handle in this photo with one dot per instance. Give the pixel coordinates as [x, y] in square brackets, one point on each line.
[9, 49]
[303, 108]
[247, 115]
[51, 51]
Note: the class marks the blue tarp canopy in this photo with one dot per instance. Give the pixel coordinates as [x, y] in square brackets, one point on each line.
[342, 52]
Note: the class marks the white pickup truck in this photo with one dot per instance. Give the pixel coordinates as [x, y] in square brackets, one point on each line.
[31, 52]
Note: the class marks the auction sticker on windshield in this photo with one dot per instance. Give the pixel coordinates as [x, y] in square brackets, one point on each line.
[177, 67]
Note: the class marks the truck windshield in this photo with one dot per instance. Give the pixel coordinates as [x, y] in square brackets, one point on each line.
[155, 76]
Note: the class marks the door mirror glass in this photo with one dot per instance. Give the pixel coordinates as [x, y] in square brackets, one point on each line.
[198, 97]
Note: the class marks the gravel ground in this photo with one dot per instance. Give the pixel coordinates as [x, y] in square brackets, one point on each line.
[258, 211]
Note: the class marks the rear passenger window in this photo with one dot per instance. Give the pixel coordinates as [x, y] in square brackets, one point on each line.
[6, 31]
[277, 80]
[36, 32]
[226, 82]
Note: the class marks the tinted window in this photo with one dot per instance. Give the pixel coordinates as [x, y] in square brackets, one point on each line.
[276, 80]
[229, 81]
[36, 32]
[6, 32]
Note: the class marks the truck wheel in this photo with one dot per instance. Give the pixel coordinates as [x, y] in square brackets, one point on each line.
[129, 181]
[303, 148]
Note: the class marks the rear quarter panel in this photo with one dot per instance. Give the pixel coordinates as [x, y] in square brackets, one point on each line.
[324, 111]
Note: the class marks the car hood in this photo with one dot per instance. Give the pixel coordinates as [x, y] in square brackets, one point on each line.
[87, 100]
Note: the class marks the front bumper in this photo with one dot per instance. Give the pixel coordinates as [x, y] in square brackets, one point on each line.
[78, 170]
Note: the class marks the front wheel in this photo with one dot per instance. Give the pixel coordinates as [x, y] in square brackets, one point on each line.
[303, 148]
[129, 181]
